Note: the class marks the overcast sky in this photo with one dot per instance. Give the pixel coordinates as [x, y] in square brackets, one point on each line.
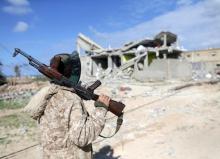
[43, 28]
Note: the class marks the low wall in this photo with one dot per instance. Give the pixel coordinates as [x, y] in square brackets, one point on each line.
[163, 69]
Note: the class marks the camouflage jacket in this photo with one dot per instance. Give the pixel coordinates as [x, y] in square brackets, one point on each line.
[67, 130]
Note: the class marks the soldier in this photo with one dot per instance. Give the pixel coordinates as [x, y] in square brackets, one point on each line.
[67, 130]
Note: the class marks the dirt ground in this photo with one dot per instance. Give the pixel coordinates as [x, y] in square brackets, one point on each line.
[159, 123]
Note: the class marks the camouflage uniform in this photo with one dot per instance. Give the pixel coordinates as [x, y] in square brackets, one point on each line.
[67, 130]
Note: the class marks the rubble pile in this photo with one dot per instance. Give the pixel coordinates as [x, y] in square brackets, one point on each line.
[21, 90]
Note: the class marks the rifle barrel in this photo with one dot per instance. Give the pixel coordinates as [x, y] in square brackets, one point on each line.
[30, 58]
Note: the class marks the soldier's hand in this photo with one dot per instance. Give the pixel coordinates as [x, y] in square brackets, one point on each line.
[104, 99]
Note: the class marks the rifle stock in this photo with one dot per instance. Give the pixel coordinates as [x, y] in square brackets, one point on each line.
[116, 107]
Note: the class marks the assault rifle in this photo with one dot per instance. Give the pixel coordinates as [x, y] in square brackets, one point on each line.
[86, 93]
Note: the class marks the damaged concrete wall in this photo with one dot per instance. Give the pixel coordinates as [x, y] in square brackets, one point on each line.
[164, 69]
[85, 66]
[204, 70]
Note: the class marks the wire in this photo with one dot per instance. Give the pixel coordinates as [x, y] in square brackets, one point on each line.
[5, 48]
[13, 153]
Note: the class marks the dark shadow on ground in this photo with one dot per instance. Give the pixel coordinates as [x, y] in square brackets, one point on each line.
[105, 152]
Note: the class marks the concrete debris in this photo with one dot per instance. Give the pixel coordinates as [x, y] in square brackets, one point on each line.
[124, 88]
[23, 130]
[156, 112]
[20, 89]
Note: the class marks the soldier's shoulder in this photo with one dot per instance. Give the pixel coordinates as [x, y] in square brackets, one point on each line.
[65, 92]
[37, 104]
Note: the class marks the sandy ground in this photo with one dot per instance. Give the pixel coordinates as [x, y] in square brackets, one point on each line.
[183, 124]
[159, 123]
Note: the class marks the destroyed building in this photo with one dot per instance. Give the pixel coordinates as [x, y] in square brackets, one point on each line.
[159, 58]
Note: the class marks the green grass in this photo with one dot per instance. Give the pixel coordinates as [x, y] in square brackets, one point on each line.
[4, 141]
[16, 121]
[13, 104]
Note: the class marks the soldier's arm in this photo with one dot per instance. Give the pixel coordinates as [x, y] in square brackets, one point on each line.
[84, 128]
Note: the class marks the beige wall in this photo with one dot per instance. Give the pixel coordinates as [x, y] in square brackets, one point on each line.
[211, 55]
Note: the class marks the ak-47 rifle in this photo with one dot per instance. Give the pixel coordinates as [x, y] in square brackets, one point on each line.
[83, 92]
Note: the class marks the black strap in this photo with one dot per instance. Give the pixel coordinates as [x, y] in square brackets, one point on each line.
[118, 126]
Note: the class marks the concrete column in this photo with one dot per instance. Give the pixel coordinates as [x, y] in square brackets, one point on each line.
[157, 53]
[90, 66]
[165, 56]
[165, 40]
[113, 62]
[146, 61]
[94, 67]
[110, 63]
